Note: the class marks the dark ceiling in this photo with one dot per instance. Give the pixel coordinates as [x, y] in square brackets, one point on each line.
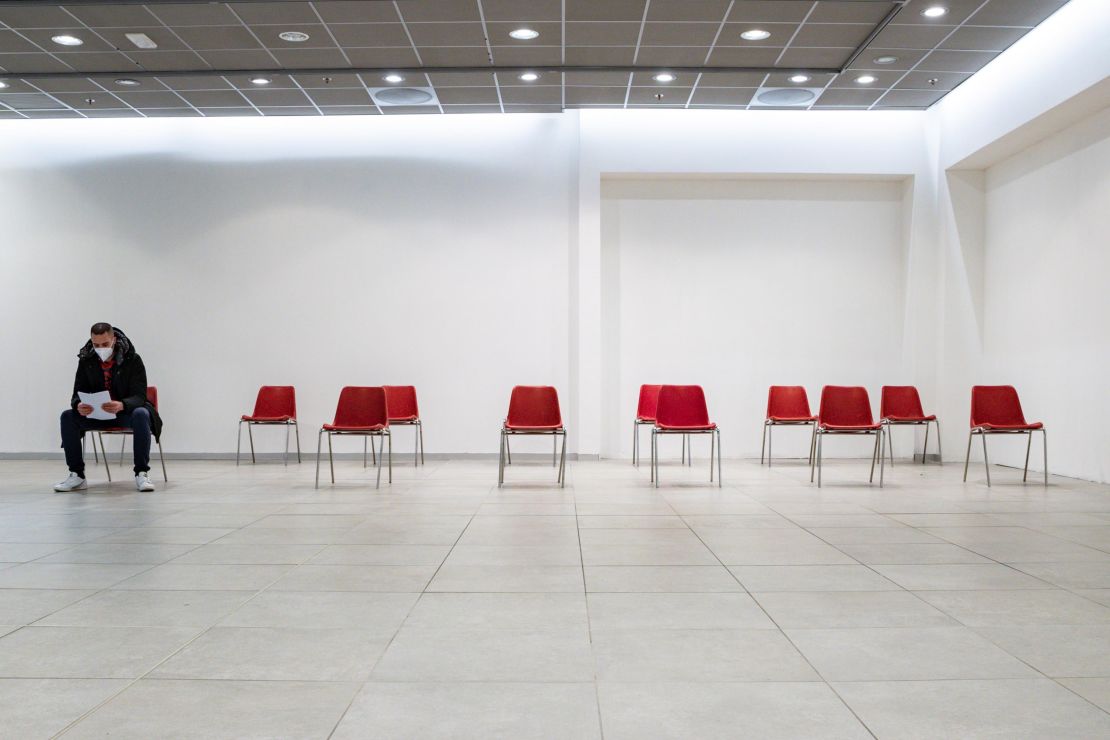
[457, 56]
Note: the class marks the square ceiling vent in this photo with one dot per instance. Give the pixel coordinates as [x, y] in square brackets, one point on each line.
[406, 96]
[786, 97]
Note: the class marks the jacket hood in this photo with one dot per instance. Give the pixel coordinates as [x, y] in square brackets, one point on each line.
[124, 348]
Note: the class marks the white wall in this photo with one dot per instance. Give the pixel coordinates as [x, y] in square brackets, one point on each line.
[740, 284]
[1047, 307]
[311, 252]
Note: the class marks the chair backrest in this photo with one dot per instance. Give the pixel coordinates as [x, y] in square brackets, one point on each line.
[682, 406]
[900, 400]
[401, 400]
[275, 401]
[788, 401]
[361, 406]
[649, 400]
[996, 404]
[534, 406]
[845, 405]
[152, 395]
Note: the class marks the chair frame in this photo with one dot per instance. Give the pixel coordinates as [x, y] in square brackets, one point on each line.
[984, 433]
[418, 442]
[287, 423]
[124, 433]
[714, 445]
[768, 429]
[878, 452]
[504, 457]
[382, 434]
[636, 442]
[888, 423]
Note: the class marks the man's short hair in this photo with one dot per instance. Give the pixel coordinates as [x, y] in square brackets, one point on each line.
[100, 327]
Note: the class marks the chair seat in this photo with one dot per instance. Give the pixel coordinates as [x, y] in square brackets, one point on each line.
[546, 428]
[646, 419]
[266, 419]
[399, 419]
[1012, 427]
[114, 430]
[851, 427]
[901, 419]
[345, 428]
[791, 419]
[693, 428]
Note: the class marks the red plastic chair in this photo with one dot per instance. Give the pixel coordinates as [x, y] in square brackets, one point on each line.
[996, 409]
[682, 410]
[847, 410]
[275, 405]
[361, 412]
[404, 411]
[787, 405]
[533, 410]
[900, 405]
[645, 416]
[152, 396]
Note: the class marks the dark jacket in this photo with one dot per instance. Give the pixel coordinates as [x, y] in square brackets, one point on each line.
[128, 378]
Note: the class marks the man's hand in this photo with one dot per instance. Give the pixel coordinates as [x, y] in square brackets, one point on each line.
[112, 407]
[84, 409]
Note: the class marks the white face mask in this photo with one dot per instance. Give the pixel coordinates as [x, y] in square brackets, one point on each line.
[105, 353]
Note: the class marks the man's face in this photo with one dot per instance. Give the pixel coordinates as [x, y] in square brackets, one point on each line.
[107, 339]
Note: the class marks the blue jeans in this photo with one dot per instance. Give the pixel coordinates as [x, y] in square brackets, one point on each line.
[74, 427]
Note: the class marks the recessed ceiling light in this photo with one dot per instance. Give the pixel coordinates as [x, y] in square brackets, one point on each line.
[799, 78]
[529, 76]
[664, 77]
[294, 36]
[393, 78]
[141, 40]
[64, 39]
[260, 80]
[127, 82]
[886, 60]
[865, 79]
[935, 11]
[756, 34]
[524, 34]
[3, 84]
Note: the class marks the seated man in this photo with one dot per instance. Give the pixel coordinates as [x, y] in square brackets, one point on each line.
[108, 362]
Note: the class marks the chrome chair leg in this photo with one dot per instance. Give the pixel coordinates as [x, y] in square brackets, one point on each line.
[1044, 440]
[820, 443]
[635, 439]
[882, 463]
[554, 449]
[817, 446]
[389, 436]
[238, 442]
[986, 463]
[924, 450]
[720, 480]
[501, 460]
[967, 457]
[331, 460]
[890, 443]
[563, 463]
[104, 454]
[655, 458]
[364, 439]
[251, 437]
[285, 455]
[763, 442]
[712, 445]
[508, 452]
[162, 460]
[770, 443]
[940, 452]
[812, 443]
[1028, 446]
[318, 442]
[416, 444]
[420, 426]
[875, 450]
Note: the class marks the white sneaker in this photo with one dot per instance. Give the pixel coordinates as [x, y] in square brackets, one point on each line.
[142, 482]
[73, 483]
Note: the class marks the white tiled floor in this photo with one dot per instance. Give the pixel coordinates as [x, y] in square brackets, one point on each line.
[240, 602]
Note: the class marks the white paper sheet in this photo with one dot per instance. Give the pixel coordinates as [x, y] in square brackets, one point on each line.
[96, 400]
